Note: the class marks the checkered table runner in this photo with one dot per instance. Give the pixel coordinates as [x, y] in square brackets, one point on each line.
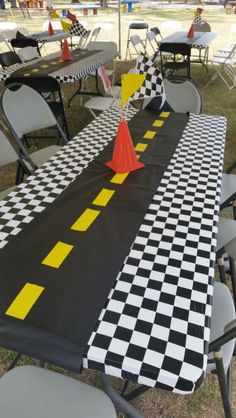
[155, 326]
[70, 73]
[201, 40]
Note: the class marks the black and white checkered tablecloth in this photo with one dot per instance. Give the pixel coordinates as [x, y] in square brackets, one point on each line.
[200, 40]
[155, 326]
[72, 72]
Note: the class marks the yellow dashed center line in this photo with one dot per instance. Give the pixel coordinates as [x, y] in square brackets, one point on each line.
[158, 123]
[141, 147]
[57, 255]
[103, 197]
[119, 178]
[85, 220]
[24, 301]
[149, 134]
[164, 114]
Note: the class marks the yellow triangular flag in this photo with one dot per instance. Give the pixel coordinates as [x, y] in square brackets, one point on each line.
[65, 26]
[130, 84]
[54, 15]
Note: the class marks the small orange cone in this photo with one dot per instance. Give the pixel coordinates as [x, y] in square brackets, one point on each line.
[191, 32]
[124, 157]
[65, 53]
[50, 29]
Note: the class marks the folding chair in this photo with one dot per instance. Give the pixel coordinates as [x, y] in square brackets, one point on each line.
[191, 99]
[9, 58]
[203, 26]
[135, 26]
[50, 89]
[178, 59]
[223, 61]
[34, 392]
[152, 37]
[97, 45]
[26, 111]
[21, 43]
[226, 236]
[138, 45]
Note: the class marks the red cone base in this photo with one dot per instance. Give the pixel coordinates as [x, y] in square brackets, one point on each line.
[65, 53]
[124, 157]
[191, 32]
[50, 29]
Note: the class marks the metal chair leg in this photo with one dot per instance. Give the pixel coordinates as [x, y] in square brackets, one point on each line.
[221, 267]
[119, 402]
[223, 384]
[233, 277]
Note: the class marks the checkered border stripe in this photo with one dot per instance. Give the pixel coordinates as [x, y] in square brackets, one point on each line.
[155, 326]
[41, 189]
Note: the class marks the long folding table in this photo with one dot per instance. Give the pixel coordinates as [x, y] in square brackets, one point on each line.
[200, 41]
[114, 272]
[83, 63]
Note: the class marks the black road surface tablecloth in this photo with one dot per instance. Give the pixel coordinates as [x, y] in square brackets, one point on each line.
[60, 322]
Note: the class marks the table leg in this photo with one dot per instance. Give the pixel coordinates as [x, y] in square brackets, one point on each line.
[95, 12]
[85, 12]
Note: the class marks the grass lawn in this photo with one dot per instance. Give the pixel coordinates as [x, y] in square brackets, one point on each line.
[217, 100]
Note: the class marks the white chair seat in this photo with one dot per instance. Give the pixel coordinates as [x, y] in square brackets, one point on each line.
[100, 104]
[33, 392]
[223, 312]
[41, 156]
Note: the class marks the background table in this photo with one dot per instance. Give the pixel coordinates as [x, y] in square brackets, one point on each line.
[69, 72]
[155, 326]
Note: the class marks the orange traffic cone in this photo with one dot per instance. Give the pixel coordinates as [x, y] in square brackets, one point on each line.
[50, 29]
[65, 53]
[124, 158]
[191, 32]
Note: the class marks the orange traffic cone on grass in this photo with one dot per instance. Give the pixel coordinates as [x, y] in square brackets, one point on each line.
[65, 53]
[124, 158]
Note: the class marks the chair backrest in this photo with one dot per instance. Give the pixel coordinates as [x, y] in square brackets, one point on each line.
[33, 115]
[183, 96]
[203, 26]
[9, 58]
[94, 34]
[152, 39]
[157, 31]
[25, 42]
[137, 43]
[42, 84]
[7, 153]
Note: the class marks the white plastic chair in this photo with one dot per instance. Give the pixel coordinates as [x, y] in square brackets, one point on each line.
[35, 114]
[183, 96]
[34, 392]
[223, 61]
[138, 45]
[135, 26]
